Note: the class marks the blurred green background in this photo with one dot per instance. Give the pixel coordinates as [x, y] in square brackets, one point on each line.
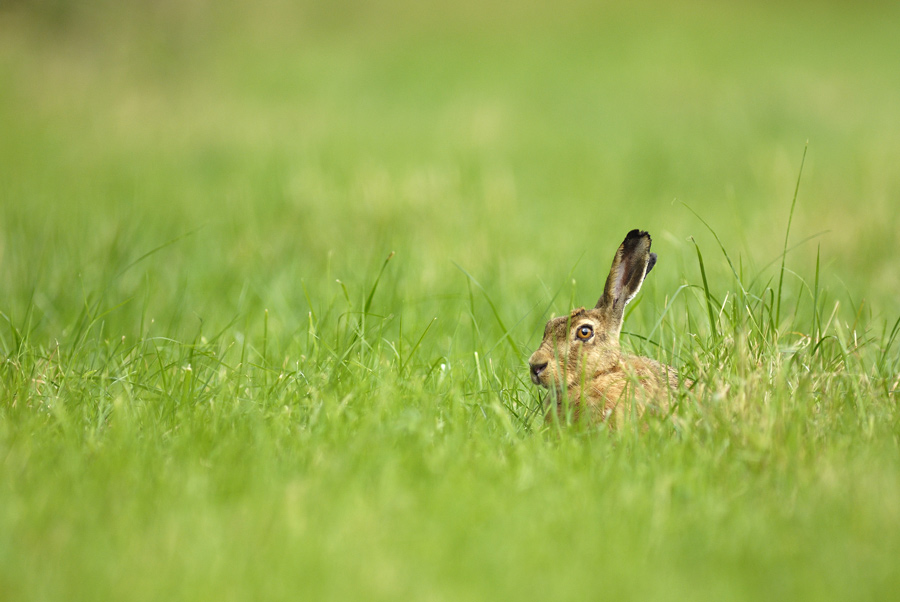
[182, 183]
[292, 138]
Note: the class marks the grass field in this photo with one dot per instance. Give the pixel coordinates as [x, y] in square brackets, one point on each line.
[216, 386]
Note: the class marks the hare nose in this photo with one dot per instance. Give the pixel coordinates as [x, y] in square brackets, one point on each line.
[537, 367]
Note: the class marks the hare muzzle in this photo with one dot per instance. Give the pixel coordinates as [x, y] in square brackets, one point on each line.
[538, 364]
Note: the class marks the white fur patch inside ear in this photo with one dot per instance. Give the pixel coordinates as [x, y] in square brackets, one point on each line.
[633, 293]
[621, 281]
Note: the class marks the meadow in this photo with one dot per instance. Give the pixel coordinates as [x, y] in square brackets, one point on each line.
[270, 274]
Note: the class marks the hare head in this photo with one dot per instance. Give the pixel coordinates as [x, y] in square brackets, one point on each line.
[580, 351]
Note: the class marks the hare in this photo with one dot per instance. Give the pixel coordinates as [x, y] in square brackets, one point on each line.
[580, 358]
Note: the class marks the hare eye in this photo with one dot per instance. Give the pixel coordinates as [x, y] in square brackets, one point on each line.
[584, 332]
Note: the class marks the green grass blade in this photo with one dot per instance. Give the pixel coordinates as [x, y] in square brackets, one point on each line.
[707, 295]
[506, 334]
[787, 234]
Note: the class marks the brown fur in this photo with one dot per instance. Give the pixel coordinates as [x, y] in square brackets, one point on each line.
[590, 374]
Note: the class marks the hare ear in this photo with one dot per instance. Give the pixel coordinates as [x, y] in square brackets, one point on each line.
[632, 263]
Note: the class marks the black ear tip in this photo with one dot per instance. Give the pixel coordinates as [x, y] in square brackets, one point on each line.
[636, 234]
[650, 263]
[635, 238]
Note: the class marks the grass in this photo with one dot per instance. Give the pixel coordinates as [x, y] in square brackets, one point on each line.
[270, 275]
